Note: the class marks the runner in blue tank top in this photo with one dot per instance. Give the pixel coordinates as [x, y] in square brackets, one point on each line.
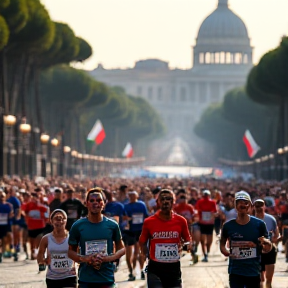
[247, 236]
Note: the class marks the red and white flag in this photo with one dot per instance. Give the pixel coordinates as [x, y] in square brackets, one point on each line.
[251, 145]
[128, 151]
[97, 134]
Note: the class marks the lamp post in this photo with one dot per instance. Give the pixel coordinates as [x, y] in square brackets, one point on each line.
[66, 150]
[280, 163]
[74, 155]
[44, 139]
[54, 143]
[25, 130]
[8, 145]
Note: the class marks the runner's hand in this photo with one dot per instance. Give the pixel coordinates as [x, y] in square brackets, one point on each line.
[266, 244]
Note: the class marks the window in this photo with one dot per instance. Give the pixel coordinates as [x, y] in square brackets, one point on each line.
[183, 94]
[207, 58]
[228, 57]
[150, 93]
[245, 58]
[222, 58]
[238, 58]
[160, 96]
[217, 57]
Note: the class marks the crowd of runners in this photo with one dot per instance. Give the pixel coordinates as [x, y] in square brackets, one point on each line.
[88, 223]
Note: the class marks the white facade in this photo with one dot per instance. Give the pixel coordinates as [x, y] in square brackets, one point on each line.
[222, 58]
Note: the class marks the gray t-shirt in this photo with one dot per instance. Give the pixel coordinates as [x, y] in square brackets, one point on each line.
[270, 221]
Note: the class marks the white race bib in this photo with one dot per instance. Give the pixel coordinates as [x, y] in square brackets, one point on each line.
[167, 252]
[206, 216]
[243, 250]
[96, 247]
[35, 214]
[3, 219]
[137, 218]
[60, 262]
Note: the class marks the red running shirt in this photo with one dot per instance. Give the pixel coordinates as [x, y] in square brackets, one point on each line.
[206, 209]
[35, 215]
[185, 210]
[164, 236]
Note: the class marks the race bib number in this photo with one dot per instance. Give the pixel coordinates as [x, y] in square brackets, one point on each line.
[3, 219]
[206, 216]
[35, 214]
[96, 247]
[137, 218]
[60, 262]
[167, 252]
[72, 214]
[243, 250]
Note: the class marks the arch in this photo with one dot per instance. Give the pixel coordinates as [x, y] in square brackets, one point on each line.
[237, 58]
[207, 58]
[245, 58]
[222, 57]
[217, 57]
[228, 58]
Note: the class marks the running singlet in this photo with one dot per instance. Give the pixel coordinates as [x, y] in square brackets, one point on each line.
[5, 210]
[206, 209]
[164, 236]
[61, 266]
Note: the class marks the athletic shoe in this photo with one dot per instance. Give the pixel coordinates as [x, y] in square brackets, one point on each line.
[205, 259]
[15, 255]
[142, 275]
[195, 258]
[131, 277]
[7, 254]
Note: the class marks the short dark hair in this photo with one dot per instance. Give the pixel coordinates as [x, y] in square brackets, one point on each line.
[96, 190]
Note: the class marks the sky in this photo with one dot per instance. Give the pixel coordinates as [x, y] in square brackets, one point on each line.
[122, 32]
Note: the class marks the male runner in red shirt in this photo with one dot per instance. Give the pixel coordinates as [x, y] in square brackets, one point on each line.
[206, 210]
[165, 231]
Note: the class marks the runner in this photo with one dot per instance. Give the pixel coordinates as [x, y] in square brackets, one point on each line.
[6, 213]
[206, 210]
[61, 270]
[247, 235]
[56, 202]
[136, 212]
[73, 208]
[95, 235]
[268, 260]
[165, 231]
[36, 221]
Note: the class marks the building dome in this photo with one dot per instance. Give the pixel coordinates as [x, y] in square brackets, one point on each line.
[223, 32]
[223, 23]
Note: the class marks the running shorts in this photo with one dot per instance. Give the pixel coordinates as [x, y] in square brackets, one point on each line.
[268, 258]
[206, 229]
[35, 232]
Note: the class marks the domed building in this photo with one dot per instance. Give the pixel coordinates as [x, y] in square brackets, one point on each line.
[221, 60]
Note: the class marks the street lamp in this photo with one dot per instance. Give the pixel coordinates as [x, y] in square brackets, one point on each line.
[44, 139]
[25, 129]
[54, 143]
[8, 145]
[66, 150]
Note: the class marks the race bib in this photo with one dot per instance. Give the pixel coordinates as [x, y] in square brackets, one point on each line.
[167, 252]
[60, 262]
[243, 250]
[72, 214]
[35, 214]
[3, 219]
[96, 247]
[137, 218]
[206, 216]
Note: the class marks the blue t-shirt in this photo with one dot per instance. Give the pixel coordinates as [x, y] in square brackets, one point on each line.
[94, 238]
[5, 210]
[138, 212]
[244, 246]
[16, 206]
[115, 209]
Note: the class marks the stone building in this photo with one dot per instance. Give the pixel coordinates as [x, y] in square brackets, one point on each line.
[221, 60]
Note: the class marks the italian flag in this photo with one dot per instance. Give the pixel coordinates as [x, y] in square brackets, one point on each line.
[97, 134]
[251, 145]
[128, 151]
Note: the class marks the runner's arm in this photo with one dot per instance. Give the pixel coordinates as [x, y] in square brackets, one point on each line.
[223, 241]
[120, 251]
[41, 253]
[72, 254]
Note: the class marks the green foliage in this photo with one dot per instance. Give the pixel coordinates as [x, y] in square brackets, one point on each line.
[85, 50]
[4, 33]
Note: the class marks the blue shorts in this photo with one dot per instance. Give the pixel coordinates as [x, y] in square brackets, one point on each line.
[4, 229]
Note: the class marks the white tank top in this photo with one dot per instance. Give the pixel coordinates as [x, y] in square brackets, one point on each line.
[61, 266]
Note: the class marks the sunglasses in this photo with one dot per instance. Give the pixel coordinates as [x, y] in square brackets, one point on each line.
[96, 200]
[59, 219]
[166, 198]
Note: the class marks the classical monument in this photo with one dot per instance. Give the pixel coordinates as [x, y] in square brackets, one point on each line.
[221, 60]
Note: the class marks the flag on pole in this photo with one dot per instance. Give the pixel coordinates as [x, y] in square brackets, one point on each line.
[128, 151]
[97, 134]
[251, 145]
